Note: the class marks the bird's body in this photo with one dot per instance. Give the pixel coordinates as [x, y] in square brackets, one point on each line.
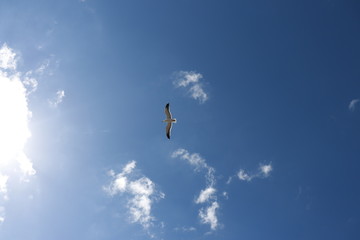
[169, 120]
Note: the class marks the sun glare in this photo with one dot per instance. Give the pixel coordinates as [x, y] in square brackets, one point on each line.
[14, 130]
[13, 123]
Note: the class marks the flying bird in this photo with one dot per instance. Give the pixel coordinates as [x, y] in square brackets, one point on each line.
[169, 120]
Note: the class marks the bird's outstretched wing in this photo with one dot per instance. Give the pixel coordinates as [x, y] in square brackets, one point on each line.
[168, 130]
[167, 111]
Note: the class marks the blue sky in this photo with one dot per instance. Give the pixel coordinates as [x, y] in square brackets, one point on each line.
[267, 100]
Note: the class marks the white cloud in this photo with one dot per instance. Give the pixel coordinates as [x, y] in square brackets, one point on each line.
[185, 78]
[41, 69]
[7, 58]
[196, 161]
[192, 80]
[15, 116]
[205, 195]
[48, 66]
[226, 195]
[266, 169]
[198, 93]
[140, 204]
[242, 175]
[353, 104]
[142, 194]
[30, 83]
[208, 215]
[60, 94]
[129, 167]
[120, 182]
[263, 172]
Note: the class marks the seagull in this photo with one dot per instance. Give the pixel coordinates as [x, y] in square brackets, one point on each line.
[169, 120]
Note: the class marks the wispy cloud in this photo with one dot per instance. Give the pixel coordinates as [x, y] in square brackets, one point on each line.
[60, 94]
[225, 195]
[142, 193]
[48, 66]
[15, 116]
[41, 69]
[208, 195]
[242, 175]
[30, 83]
[192, 81]
[29, 79]
[264, 171]
[185, 229]
[197, 162]
[353, 103]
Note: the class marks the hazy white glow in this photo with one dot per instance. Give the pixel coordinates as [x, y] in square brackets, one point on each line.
[3, 185]
[2, 214]
[26, 166]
